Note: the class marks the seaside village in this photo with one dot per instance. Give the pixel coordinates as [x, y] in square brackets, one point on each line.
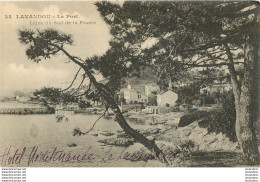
[144, 98]
[140, 95]
[148, 98]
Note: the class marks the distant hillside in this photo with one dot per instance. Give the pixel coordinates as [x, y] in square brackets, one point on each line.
[146, 76]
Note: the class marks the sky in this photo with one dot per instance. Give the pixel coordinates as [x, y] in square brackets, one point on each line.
[19, 73]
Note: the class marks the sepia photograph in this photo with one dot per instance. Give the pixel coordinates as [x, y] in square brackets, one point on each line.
[129, 84]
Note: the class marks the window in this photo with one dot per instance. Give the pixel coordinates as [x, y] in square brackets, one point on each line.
[139, 96]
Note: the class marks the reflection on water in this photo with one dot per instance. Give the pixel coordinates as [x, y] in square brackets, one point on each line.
[138, 121]
[19, 131]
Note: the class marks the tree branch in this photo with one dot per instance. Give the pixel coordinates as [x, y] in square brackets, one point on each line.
[72, 81]
[96, 122]
[72, 58]
[212, 65]
[210, 44]
[231, 67]
[84, 77]
[85, 93]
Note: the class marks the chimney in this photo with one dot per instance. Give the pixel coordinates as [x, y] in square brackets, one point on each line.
[170, 85]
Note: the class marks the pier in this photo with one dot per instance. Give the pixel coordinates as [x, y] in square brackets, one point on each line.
[24, 111]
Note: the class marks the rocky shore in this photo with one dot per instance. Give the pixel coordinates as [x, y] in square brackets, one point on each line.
[190, 142]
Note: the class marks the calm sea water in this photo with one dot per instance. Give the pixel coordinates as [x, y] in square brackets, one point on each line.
[19, 131]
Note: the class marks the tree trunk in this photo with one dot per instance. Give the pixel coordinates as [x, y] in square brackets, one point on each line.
[108, 97]
[246, 103]
[236, 93]
[120, 119]
[245, 131]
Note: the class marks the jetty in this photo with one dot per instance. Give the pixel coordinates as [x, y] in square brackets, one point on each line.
[66, 110]
[40, 110]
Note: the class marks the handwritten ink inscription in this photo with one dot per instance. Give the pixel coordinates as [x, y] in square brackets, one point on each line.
[12, 156]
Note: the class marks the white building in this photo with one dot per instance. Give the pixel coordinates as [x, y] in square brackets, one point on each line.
[22, 98]
[167, 98]
[134, 94]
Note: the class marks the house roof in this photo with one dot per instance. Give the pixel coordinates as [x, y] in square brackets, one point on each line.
[104, 81]
[152, 84]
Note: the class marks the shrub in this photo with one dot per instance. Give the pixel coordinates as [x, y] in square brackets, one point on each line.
[191, 117]
[224, 120]
[217, 121]
[83, 104]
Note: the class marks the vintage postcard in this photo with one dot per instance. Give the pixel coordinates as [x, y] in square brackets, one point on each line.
[129, 84]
